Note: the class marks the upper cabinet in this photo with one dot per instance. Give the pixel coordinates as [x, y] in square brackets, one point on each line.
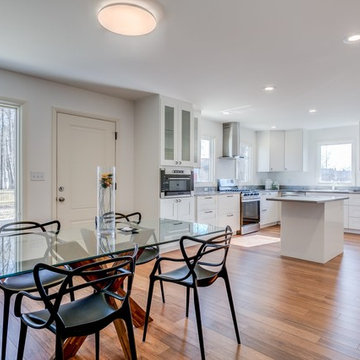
[281, 150]
[179, 134]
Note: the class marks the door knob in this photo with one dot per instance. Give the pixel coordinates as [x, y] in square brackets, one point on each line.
[61, 199]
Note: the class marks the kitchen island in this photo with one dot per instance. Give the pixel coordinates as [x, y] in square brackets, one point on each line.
[312, 228]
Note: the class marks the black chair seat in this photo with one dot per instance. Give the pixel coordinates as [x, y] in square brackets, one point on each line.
[79, 313]
[202, 275]
[26, 282]
[149, 254]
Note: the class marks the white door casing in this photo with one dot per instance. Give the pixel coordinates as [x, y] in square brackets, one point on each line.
[83, 143]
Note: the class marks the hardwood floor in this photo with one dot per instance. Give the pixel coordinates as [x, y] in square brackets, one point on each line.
[286, 309]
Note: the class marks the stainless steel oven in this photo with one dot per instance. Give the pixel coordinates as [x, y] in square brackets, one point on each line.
[249, 212]
[176, 182]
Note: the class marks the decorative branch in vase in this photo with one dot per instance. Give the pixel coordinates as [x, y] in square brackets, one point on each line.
[106, 200]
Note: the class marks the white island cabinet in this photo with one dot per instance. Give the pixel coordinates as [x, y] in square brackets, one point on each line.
[312, 228]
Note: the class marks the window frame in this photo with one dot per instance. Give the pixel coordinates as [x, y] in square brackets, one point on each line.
[212, 181]
[251, 164]
[19, 156]
[353, 161]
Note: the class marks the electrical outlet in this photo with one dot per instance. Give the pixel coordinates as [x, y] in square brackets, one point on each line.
[37, 176]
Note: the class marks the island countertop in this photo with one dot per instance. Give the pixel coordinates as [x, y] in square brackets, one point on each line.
[307, 199]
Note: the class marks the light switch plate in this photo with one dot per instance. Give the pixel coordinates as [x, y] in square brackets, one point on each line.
[37, 176]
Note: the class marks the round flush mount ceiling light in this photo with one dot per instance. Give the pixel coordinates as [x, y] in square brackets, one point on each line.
[352, 39]
[312, 111]
[127, 18]
[269, 88]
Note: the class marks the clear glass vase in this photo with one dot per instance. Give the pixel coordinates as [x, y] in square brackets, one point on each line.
[105, 220]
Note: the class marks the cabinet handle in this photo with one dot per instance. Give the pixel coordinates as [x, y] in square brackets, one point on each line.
[230, 215]
[208, 212]
[263, 210]
[229, 195]
[208, 198]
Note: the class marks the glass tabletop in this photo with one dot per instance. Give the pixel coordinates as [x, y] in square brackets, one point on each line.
[19, 253]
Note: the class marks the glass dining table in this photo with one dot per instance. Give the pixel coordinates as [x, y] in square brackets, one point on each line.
[79, 243]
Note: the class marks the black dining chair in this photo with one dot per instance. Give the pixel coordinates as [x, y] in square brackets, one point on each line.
[86, 315]
[198, 271]
[25, 282]
[149, 253]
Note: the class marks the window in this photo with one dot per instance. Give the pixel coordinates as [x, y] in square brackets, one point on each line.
[336, 163]
[244, 164]
[206, 173]
[8, 163]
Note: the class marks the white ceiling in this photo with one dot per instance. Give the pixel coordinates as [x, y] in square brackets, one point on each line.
[216, 54]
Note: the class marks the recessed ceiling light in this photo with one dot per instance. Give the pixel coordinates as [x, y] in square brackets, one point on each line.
[273, 127]
[352, 39]
[269, 88]
[127, 19]
[226, 112]
[312, 111]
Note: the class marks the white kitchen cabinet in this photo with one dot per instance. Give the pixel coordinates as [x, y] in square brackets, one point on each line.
[197, 118]
[269, 210]
[206, 209]
[177, 133]
[295, 150]
[178, 209]
[228, 211]
[281, 150]
[270, 154]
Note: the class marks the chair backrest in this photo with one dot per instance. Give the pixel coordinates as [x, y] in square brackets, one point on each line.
[103, 276]
[218, 243]
[20, 227]
[134, 217]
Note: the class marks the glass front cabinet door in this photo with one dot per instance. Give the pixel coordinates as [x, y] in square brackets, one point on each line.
[169, 133]
[177, 133]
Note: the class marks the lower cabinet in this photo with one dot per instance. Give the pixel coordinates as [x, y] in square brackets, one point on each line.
[206, 209]
[178, 209]
[219, 210]
[228, 211]
[269, 210]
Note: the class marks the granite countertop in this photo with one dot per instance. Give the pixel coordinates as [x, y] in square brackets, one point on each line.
[307, 199]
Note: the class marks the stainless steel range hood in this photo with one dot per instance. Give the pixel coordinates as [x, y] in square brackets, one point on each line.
[231, 140]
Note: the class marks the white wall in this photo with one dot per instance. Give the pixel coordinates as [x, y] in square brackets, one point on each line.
[39, 98]
[344, 133]
[226, 168]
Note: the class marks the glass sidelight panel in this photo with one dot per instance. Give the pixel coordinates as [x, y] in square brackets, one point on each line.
[8, 163]
[169, 151]
[185, 135]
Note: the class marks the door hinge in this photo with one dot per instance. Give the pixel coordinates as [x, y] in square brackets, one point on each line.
[115, 135]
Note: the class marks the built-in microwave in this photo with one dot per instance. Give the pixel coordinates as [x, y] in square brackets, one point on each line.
[176, 182]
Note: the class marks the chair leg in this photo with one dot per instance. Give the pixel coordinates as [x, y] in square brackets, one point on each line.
[59, 351]
[198, 322]
[6, 311]
[97, 345]
[161, 286]
[131, 337]
[72, 296]
[148, 306]
[232, 308]
[187, 300]
[22, 339]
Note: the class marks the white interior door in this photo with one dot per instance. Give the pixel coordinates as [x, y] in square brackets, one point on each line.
[83, 143]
